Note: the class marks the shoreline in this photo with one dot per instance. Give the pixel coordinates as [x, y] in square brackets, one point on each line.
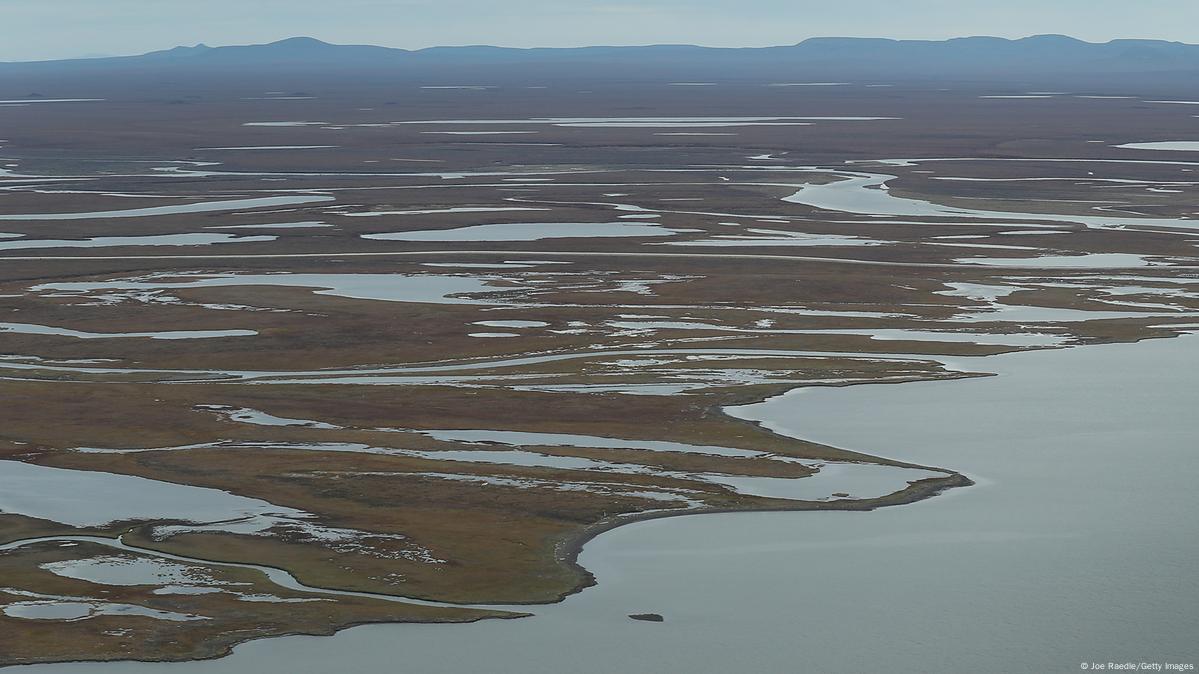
[571, 549]
[914, 493]
[685, 318]
[568, 548]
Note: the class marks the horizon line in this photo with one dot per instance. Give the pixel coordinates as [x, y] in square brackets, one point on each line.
[600, 46]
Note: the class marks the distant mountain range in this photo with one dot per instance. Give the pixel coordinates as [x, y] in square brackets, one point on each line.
[829, 57]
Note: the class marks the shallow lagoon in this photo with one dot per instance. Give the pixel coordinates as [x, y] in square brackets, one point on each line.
[385, 287]
[869, 194]
[534, 231]
[116, 241]
[196, 207]
[89, 498]
[1174, 145]
[34, 329]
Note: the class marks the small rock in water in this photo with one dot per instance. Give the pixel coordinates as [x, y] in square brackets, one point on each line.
[647, 617]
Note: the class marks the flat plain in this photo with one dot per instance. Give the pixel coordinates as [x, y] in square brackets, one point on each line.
[288, 357]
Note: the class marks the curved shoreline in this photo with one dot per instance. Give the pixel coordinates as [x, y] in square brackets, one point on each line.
[567, 548]
[920, 490]
[567, 552]
[570, 546]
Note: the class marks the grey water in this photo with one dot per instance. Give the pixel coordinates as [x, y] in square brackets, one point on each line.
[1077, 544]
[531, 232]
[84, 498]
[869, 194]
[195, 207]
[383, 287]
[116, 241]
[1174, 146]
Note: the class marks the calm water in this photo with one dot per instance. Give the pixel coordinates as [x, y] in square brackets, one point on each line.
[1080, 543]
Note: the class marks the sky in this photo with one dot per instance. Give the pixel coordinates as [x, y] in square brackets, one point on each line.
[49, 29]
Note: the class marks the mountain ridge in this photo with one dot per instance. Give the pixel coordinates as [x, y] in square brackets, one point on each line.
[828, 56]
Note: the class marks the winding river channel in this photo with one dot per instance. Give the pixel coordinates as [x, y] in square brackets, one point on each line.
[1078, 543]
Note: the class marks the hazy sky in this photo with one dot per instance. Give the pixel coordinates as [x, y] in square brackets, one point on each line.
[42, 29]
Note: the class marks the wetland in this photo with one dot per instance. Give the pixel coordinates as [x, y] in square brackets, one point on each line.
[477, 381]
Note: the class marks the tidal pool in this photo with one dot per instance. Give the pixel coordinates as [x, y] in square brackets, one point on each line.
[71, 611]
[285, 124]
[114, 241]
[74, 610]
[533, 231]
[1078, 545]
[89, 498]
[478, 133]
[130, 570]
[1170, 145]
[437, 211]
[48, 610]
[651, 122]
[194, 207]
[1088, 261]
[248, 415]
[774, 237]
[853, 480]
[511, 324]
[881, 334]
[23, 101]
[272, 147]
[33, 329]
[869, 194]
[385, 287]
[280, 225]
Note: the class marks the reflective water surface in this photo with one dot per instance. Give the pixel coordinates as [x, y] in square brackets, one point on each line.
[1083, 516]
